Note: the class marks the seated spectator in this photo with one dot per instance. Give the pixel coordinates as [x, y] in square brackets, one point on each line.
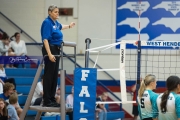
[9, 53]
[5, 79]
[37, 96]
[7, 91]
[69, 102]
[13, 102]
[19, 47]
[5, 50]
[101, 109]
[3, 110]
[11, 50]
[3, 41]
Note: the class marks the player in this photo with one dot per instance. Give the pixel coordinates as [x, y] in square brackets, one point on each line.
[168, 103]
[147, 98]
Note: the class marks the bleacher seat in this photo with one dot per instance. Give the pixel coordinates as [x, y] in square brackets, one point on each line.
[21, 72]
[115, 115]
[53, 117]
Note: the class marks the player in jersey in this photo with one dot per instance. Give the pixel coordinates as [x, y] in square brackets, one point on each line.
[168, 103]
[147, 98]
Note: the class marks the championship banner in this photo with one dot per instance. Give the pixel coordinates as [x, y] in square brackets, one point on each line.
[84, 93]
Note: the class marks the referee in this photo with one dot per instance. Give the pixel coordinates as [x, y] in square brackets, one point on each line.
[52, 38]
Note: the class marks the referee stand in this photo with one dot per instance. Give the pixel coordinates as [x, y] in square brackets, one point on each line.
[40, 109]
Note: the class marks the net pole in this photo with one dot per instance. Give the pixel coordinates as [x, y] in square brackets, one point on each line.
[87, 41]
[139, 53]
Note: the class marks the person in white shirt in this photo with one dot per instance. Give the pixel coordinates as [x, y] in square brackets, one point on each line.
[18, 46]
[3, 41]
[37, 96]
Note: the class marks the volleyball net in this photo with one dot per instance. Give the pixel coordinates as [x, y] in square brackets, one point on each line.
[160, 58]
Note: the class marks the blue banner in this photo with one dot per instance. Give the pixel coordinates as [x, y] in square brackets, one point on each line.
[159, 20]
[20, 59]
[84, 93]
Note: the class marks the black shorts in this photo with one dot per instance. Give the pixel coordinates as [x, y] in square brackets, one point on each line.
[135, 111]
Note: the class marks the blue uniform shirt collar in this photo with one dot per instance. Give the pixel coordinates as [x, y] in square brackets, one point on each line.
[52, 20]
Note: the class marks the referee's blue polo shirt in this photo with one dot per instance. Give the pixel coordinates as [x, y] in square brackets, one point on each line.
[51, 30]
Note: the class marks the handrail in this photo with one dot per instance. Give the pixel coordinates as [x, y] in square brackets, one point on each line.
[34, 43]
[1, 30]
[72, 60]
[69, 77]
[22, 31]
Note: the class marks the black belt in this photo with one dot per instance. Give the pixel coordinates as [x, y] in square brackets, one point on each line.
[55, 45]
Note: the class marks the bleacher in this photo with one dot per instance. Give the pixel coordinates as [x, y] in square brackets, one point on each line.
[24, 79]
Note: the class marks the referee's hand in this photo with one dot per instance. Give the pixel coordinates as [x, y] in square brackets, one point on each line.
[52, 58]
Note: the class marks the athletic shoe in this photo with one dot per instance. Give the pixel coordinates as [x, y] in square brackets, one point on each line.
[51, 105]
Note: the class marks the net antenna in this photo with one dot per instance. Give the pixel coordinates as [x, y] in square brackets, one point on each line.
[121, 68]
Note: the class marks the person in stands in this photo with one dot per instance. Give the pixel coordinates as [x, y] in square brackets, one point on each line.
[3, 110]
[7, 91]
[19, 48]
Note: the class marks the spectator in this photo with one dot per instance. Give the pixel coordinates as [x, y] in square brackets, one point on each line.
[11, 50]
[18, 46]
[9, 53]
[3, 110]
[7, 91]
[4, 40]
[69, 102]
[4, 49]
[37, 97]
[5, 79]
[101, 109]
[13, 100]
